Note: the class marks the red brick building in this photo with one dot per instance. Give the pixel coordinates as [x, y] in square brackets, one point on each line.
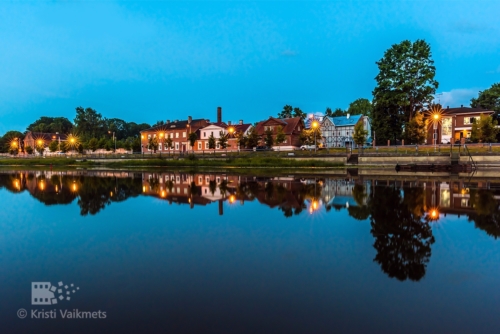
[454, 124]
[292, 128]
[36, 139]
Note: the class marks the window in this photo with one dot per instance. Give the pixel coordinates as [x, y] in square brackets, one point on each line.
[199, 146]
[177, 135]
[200, 180]
[204, 134]
[469, 120]
[212, 133]
[298, 128]
[149, 136]
[206, 145]
[176, 146]
[218, 146]
[184, 134]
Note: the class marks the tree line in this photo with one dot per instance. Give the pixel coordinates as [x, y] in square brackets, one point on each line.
[89, 130]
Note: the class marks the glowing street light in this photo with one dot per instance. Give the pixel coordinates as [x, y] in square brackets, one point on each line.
[315, 125]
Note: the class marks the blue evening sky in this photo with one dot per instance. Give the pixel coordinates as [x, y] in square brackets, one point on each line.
[146, 61]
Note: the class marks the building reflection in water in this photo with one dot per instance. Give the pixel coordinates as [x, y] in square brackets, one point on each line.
[400, 213]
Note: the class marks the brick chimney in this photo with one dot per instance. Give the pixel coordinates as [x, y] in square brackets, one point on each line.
[168, 121]
[228, 122]
[241, 122]
[190, 119]
[219, 114]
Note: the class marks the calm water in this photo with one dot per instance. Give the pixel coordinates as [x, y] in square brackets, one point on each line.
[218, 253]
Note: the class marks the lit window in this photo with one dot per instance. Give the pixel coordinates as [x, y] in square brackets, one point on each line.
[177, 135]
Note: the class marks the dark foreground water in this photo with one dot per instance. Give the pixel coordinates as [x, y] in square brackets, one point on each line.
[217, 253]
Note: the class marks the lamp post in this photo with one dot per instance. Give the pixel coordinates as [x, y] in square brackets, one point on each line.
[231, 131]
[114, 139]
[435, 121]
[315, 125]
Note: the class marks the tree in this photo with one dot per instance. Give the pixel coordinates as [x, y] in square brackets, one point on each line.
[211, 142]
[93, 144]
[192, 139]
[10, 140]
[240, 138]
[299, 113]
[29, 149]
[268, 139]
[252, 138]
[286, 112]
[484, 130]
[169, 143]
[53, 146]
[360, 107]
[89, 123]
[153, 143]
[223, 137]
[359, 134]
[488, 99]
[51, 124]
[405, 86]
[64, 147]
[280, 135]
[416, 129]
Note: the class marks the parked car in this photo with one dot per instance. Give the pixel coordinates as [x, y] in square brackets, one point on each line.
[307, 147]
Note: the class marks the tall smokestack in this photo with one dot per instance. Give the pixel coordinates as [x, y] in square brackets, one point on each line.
[219, 114]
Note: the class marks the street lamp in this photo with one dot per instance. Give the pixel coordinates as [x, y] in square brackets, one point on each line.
[435, 119]
[315, 125]
[114, 139]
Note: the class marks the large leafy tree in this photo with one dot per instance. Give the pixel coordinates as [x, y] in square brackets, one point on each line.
[89, 123]
[405, 86]
[488, 99]
[192, 139]
[360, 107]
[51, 124]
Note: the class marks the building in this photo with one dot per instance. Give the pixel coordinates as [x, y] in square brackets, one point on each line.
[40, 139]
[215, 130]
[338, 131]
[454, 124]
[292, 128]
[178, 131]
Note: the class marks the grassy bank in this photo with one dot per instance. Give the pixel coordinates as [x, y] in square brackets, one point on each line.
[268, 162]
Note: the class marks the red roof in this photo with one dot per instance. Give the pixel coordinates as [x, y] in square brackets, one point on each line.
[466, 110]
[289, 124]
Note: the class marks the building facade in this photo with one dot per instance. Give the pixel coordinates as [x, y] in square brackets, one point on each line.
[292, 128]
[41, 139]
[454, 124]
[338, 131]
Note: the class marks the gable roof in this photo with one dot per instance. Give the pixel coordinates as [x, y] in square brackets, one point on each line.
[241, 127]
[289, 124]
[465, 110]
[340, 121]
[177, 125]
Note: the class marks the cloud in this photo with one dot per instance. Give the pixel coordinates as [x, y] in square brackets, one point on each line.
[468, 27]
[456, 97]
[289, 53]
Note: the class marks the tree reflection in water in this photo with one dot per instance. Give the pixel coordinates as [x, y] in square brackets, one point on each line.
[403, 236]
[486, 214]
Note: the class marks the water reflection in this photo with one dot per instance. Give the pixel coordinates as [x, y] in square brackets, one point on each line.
[400, 213]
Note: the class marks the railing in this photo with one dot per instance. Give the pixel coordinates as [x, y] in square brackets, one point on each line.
[466, 149]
